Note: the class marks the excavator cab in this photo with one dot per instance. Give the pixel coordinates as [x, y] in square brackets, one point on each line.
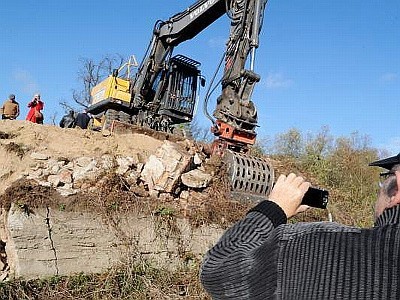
[178, 100]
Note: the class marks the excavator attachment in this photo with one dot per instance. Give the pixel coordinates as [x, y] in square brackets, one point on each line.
[251, 178]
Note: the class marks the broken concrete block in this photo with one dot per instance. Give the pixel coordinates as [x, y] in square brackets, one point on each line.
[67, 190]
[124, 164]
[35, 174]
[197, 159]
[65, 176]
[107, 162]
[163, 170]
[84, 169]
[196, 179]
[184, 195]
[43, 183]
[152, 171]
[53, 166]
[54, 169]
[84, 161]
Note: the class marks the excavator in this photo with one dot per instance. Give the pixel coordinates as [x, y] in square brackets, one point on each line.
[163, 92]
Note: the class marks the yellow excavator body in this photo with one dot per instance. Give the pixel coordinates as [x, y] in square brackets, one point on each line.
[113, 88]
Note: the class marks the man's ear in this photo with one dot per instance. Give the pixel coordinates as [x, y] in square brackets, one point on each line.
[396, 198]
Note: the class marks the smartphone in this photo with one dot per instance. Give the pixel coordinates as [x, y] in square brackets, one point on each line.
[316, 197]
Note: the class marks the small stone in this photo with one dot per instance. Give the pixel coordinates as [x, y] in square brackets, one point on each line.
[184, 195]
[39, 156]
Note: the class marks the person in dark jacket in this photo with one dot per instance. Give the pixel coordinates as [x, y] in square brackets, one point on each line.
[68, 121]
[263, 257]
[82, 120]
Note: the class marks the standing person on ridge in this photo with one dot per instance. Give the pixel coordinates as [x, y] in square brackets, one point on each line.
[10, 108]
[36, 106]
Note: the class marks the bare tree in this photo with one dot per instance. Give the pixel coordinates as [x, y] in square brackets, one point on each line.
[67, 106]
[53, 118]
[290, 143]
[199, 132]
[90, 74]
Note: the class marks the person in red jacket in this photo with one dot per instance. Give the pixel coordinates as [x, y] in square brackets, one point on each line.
[35, 114]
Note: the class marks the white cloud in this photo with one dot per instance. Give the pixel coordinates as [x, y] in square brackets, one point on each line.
[28, 83]
[389, 77]
[277, 80]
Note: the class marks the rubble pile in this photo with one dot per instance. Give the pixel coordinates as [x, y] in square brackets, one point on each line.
[161, 172]
[67, 159]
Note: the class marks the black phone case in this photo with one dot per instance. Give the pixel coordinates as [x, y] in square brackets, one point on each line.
[315, 197]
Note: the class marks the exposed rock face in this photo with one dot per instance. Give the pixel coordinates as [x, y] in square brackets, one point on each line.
[45, 240]
[50, 242]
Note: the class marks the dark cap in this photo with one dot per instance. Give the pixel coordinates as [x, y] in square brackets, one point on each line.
[387, 163]
[11, 97]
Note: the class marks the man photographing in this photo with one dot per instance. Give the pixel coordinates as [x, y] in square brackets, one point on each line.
[36, 106]
[263, 257]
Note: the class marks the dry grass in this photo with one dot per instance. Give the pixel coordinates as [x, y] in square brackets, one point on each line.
[135, 280]
[5, 135]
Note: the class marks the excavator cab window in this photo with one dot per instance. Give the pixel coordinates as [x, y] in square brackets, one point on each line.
[202, 81]
[179, 99]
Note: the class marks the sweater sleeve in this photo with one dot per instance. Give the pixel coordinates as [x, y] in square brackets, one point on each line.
[229, 269]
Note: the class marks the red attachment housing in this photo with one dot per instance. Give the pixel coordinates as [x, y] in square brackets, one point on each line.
[230, 137]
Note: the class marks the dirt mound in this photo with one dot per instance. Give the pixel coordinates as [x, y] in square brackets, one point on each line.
[19, 139]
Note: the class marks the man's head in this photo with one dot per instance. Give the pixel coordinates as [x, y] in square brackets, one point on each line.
[11, 97]
[37, 96]
[389, 194]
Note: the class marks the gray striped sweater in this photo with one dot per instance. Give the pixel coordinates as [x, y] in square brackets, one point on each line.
[261, 257]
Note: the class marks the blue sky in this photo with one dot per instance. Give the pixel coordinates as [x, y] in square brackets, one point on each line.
[322, 63]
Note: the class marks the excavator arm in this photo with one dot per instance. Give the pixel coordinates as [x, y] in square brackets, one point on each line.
[235, 113]
[167, 35]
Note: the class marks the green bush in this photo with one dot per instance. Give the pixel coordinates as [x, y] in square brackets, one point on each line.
[339, 165]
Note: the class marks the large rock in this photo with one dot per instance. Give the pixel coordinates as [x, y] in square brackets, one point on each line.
[196, 179]
[163, 169]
